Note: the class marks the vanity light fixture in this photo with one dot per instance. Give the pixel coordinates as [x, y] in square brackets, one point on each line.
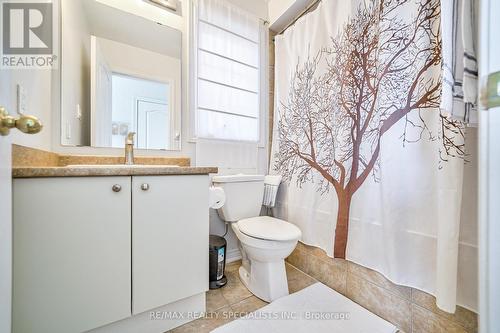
[167, 4]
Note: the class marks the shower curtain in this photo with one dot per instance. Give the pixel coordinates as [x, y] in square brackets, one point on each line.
[373, 169]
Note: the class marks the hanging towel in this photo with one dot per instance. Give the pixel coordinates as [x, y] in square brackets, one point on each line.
[459, 46]
[469, 38]
[271, 185]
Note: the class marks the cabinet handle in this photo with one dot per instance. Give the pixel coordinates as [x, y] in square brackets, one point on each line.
[145, 187]
[116, 188]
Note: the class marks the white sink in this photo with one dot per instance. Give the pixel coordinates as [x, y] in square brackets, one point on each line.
[121, 166]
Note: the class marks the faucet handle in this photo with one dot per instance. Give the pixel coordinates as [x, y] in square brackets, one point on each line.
[130, 138]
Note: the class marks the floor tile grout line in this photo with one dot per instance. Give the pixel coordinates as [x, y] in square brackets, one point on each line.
[348, 271]
[231, 304]
[383, 287]
[394, 293]
[444, 317]
[404, 299]
[467, 329]
[410, 300]
[302, 271]
[398, 295]
[411, 315]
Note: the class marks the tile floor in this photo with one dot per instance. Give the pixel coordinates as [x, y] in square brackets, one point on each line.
[234, 300]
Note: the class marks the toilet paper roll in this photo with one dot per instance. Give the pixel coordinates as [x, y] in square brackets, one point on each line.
[217, 197]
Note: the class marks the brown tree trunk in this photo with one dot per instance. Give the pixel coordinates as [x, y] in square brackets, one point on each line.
[342, 228]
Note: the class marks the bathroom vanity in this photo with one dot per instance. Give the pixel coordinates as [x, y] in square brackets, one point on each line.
[100, 245]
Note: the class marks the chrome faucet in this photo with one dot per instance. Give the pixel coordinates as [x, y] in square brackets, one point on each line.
[129, 148]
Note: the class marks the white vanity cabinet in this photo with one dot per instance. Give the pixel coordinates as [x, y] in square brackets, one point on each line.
[71, 250]
[169, 239]
[90, 251]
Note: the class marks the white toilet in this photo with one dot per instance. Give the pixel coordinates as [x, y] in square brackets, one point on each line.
[265, 241]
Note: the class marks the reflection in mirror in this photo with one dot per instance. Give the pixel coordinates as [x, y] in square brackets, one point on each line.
[141, 102]
[118, 78]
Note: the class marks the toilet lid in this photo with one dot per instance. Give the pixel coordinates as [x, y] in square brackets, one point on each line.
[269, 228]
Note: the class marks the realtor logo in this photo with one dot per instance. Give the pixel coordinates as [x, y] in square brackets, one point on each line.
[28, 34]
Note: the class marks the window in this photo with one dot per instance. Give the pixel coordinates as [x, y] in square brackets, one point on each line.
[228, 73]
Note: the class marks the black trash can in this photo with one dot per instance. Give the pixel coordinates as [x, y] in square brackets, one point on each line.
[217, 253]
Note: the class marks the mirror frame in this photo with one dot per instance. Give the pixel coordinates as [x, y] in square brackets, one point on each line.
[179, 24]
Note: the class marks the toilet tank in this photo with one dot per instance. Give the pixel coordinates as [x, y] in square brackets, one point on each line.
[243, 196]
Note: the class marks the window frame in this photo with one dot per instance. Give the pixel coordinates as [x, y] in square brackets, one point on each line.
[263, 68]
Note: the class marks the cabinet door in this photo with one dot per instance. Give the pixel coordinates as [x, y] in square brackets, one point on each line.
[169, 239]
[72, 261]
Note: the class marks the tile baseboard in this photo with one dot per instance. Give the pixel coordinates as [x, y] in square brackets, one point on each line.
[233, 255]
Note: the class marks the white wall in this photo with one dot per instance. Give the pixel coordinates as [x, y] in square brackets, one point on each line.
[282, 12]
[130, 60]
[151, 12]
[277, 8]
[114, 24]
[38, 97]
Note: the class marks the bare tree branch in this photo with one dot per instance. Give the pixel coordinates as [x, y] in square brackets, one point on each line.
[381, 69]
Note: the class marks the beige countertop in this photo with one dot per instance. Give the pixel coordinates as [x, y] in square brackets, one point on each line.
[31, 163]
[108, 170]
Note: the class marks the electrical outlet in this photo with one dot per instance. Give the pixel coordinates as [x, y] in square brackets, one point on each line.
[21, 99]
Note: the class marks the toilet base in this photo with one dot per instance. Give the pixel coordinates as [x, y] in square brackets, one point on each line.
[266, 280]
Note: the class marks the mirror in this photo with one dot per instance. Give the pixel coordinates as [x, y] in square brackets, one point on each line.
[120, 73]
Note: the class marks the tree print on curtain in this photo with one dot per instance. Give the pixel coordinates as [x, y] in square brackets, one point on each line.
[380, 70]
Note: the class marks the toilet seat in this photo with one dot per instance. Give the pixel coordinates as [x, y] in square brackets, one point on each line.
[269, 228]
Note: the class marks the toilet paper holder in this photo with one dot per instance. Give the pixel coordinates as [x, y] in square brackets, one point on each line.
[217, 197]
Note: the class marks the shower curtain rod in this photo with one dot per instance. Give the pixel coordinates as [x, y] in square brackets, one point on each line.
[304, 12]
